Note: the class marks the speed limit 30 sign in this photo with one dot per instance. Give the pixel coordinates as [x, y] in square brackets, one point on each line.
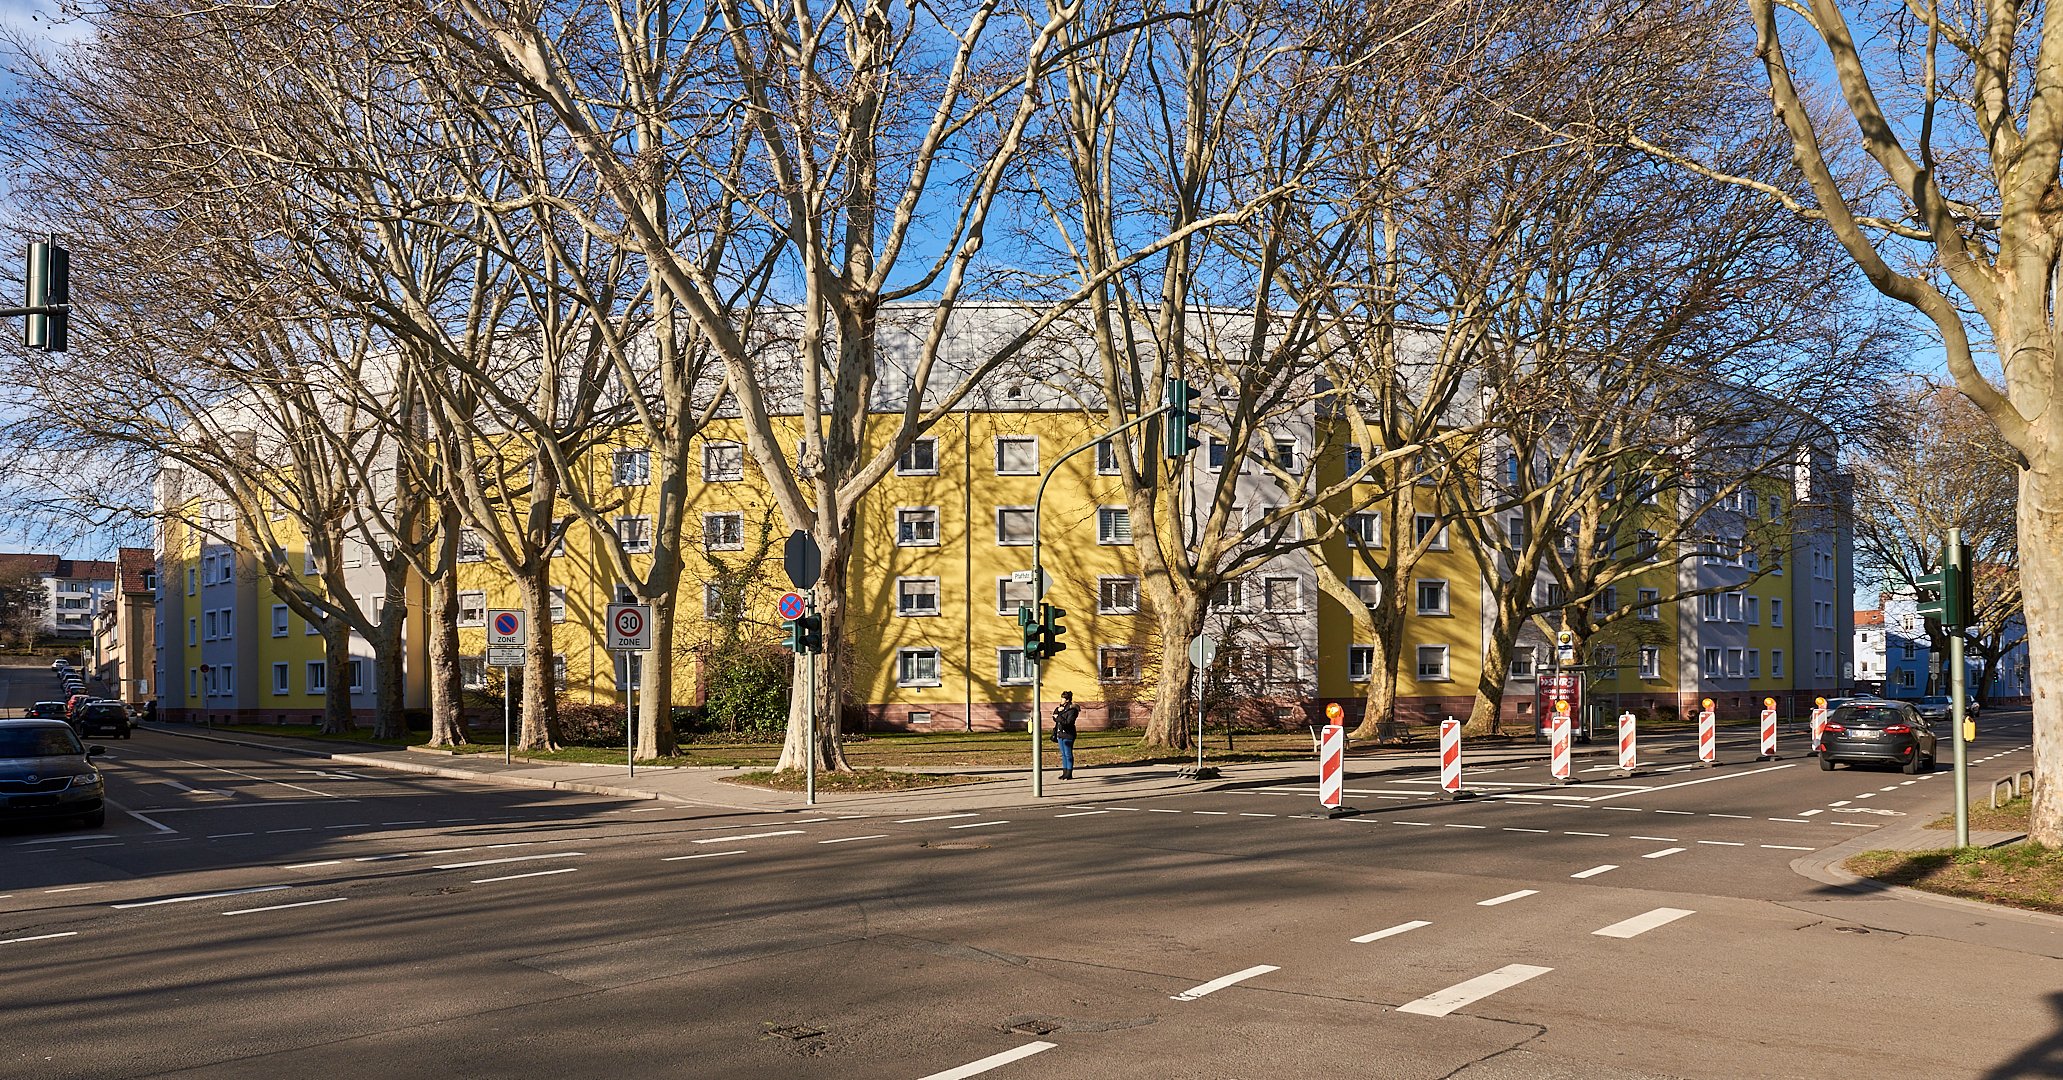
[630, 627]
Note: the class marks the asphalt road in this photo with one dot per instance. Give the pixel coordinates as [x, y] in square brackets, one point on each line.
[247, 914]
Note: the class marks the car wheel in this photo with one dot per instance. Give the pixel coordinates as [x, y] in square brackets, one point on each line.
[94, 820]
[1826, 764]
[1912, 766]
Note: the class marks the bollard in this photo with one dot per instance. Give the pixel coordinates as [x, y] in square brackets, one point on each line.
[1450, 758]
[1628, 752]
[1768, 730]
[1819, 723]
[1332, 772]
[1558, 755]
[1708, 735]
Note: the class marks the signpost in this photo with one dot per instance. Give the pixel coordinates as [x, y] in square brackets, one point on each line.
[803, 561]
[506, 636]
[1203, 650]
[630, 632]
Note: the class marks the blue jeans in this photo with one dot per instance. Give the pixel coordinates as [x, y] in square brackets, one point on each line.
[1066, 753]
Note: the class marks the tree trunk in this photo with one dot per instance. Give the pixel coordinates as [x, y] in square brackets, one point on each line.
[447, 687]
[1486, 715]
[1181, 617]
[390, 667]
[540, 687]
[2041, 582]
[336, 671]
[831, 671]
[1379, 709]
[655, 711]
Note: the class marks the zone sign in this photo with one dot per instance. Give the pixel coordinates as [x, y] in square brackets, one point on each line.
[630, 627]
[505, 627]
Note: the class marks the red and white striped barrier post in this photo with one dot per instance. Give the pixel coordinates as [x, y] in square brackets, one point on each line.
[1819, 722]
[1450, 757]
[1629, 759]
[1708, 734]
[1558, 742]
[1768, 730]
[1332, 760]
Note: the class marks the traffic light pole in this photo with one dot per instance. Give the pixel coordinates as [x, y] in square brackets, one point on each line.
[809, 783]
[1038, 663]
[1956, 707]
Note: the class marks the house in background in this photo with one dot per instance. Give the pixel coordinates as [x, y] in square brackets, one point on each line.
[124, 629]
[72, 588]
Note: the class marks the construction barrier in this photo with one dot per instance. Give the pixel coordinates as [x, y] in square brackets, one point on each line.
[1819, 721]
[1768, 729]
[1450, 755]
[1628, 759]
[1708, 734]
[1332, 772]
[1558, 761]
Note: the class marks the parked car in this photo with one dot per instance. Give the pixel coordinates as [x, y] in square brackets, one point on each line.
[47, 710]
[59, 664]
[72, 703]
[1877, 733]
[46, 773]
[103, 715]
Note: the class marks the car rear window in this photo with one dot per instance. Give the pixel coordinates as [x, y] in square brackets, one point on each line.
[39, 741]
[1933, 701]
[1869, 714]
[103, 712]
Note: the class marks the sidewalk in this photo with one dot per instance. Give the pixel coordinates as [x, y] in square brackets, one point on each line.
[1001, 787]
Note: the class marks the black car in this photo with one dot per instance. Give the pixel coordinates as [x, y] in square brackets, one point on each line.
[1938, 706]
[1878, 733]
[109, 716]
[45, 774]
[47, 710]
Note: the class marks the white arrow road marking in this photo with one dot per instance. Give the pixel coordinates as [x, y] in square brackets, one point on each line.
[1474, 990]
[1221, 983]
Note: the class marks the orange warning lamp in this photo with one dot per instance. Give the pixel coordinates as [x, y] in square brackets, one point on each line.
[1333, 712]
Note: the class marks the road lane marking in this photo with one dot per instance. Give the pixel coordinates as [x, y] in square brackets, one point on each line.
[66, 839]
[934, 817]
[993, 1061]
[1853, 824]
[1465, 993]
[283, 907]
[1151, 810]
[745, 836]
[510, 859]
[850, 839]
[75, 888]
[1664, 853]
[356, 825]
[1907, 783]
[306, 865]
[1864, 795]
[1540, 831]
[1892, 787]
[1245, 814]
[1595, 871]
[1082, 813]
[1641, 924]
[159, 826]
[1792, 820]
[1678, 813]
[1507, 898]
[533, 873]
[1737, 817]
[1809, 813]
[1690, 783]
[1420, 824]
[1566, 832]
[1222, 982]
[979, 824]
[1212, 813]
[703, 855]
[1787, 847]
[1723, 843]
[260, 779]
[1659, 839]
[227, 835]
[276, 832]
[38, 937]
[1634, 810]
[1453, 826]
[199, 896]
[1400, 928]
[1843, 802]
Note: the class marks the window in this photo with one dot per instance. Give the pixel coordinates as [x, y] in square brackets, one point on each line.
[1366, 589]
[1776, 663]
[1113, 525]
[1117, 664]
[208, 619]
[1733, 663]
[717, 603]
[1909, 651]
[472, 609]
[1117, 596]
[722, 462]
[1557, 595]
[317, 677]
[1754, 669]
[279, 678]
[1360, 663]
[1748, 504]
[1432, 663]
[1017, 456]
[1754, 610]
[1709, 605]
[227, 672]
[1280, 669]
[189, 581]
[558, 671]
[1651, 605]
[1354, 460]
[1605, 602]
[354, 557]
[1650, 662]
[1285, 527]
[310, 565]
[1012, 669]
[723, 532]
[472, 672]
[1608, 657]
[1364, 529]
[1282, 595]
[1522, 662]
[636, 533]
[1011, 595]
[1515, 532]
[471, 548]
[559, 537]
[1432, 596]
[1229, 595]
[1285, 456]
[1730, 604]
[1750, 559]
[916, 667]
[916, 596]
[1712, 667]
[357, 670]
[150, 581]
[1013, 526]
[1106, 458]
[1907, 678]
[916, 526]
[1649, 546]
[1511, 471]
[1216, 449]
[193, 682]
[558, 603]
[309, 629]
[1428, 525]
[1776, 612]
[920, 458]
[279, 620]
[633, 468]
[193, 631]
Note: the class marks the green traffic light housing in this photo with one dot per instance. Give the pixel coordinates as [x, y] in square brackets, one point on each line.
[1029, 628]
[1946, 595]
[791, 630]
[810, 632]
[49, 294]
[1182, 418]
[1050, 631]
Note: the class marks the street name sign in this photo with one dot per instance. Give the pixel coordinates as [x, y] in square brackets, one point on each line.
[504, 656]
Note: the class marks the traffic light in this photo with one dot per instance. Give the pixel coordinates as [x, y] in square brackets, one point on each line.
[1049, 633]
[792, 631]
[1181, 417]
[810, 630]
[1028, 625]
[49, 285]
[1945, 595]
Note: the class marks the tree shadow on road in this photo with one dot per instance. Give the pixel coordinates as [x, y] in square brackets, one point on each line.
[2039, 1059]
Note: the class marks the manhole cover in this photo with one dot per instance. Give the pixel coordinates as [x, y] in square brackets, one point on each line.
[795, 1032]
[1034, 1027]
[1850, 930]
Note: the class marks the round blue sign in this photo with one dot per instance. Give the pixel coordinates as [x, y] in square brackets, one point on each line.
[791, 606]
[505, 623]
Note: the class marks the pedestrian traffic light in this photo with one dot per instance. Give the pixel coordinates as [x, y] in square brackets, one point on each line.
[1945, 595]
[1050, 631]
[810, 631]
[791, 630]
[1028, 626]
[49, 287]
[1181, 418]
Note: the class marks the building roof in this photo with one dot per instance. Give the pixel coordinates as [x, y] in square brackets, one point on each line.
[135, 564]
[1872, 617]
[55, 566]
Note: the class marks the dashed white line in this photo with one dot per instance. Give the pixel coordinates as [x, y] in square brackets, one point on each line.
[1736, 817]
[734, 838]
[1473, 990]
[1393, 931]
[934, 817]
[1864, 795]
[1420, 824]
[993, 1061]
[1792, 820]
[38, 937]
[1222, 982]
[1678, 813]
[1641, 924]
[850, 839]
[1507, 898]
[66, 839]
[533, 873]
[308, 865]
[1809, 813]
[1661, 839]
[1082, 813]
[1542, 832]
[1787, 847]
[1595, 871]
[1843, 802]
[703, 855]
[226, 835]
[283, 907]
[1152, 810]
[1245, 814]
[1453, 826]
[199, 896]
[1566, 832]
[1664, 853]
[1723, 843]
[276, 832]
[510, 859]
[978, 824]
[1212, 813]
[356, 825]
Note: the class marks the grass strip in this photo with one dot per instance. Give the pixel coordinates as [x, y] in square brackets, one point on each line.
[2024, 876]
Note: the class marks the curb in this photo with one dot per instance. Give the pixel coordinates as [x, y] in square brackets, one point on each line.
[1824, 866]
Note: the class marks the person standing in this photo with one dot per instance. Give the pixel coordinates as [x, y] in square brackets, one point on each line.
[1064, 716]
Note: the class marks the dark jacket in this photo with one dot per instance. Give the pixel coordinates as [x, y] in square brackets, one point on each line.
[1063, 720]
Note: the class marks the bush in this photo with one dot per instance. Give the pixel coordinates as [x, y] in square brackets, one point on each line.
[583, 724]
[747, 693]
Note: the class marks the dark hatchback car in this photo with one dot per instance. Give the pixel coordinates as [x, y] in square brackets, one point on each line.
[47, 710]
[46, 773]
[1937, 707]
[97, 716]
[1878, 733]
